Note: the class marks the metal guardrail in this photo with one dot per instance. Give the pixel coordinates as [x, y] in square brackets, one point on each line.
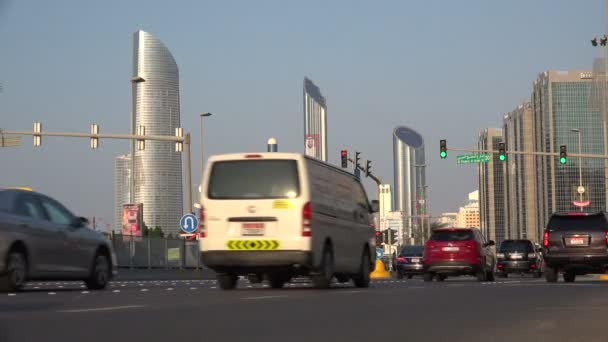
[155, 252]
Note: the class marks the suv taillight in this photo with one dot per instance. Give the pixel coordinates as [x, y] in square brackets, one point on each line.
[606, 239]
[546, 239]
[401, 259]
[202, 230]
[306, 217]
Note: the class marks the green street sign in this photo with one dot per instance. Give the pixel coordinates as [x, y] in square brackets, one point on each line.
[473, 158]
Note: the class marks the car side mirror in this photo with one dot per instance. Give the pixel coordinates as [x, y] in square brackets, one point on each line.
[491, 243]
[375, 206]
[79, 222]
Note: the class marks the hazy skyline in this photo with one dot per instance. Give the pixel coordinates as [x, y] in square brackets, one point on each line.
[446, 69]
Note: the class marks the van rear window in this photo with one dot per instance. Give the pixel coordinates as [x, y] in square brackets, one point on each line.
[254, 179]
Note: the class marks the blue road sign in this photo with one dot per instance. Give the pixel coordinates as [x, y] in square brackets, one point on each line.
[379, 253]
[188, 223]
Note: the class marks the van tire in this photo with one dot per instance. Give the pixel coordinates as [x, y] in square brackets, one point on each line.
[322, 279]
[361, 279]
[277, 281]
[227, 281]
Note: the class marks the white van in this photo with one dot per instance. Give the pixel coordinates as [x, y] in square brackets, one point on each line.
[279, 215]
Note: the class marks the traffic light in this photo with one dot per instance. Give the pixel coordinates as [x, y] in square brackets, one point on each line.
[389, 235]
[357, 158]
[368, 168]
[344, 158]
[502, 153]
[443, 149]
[563, 154]
[378, 239]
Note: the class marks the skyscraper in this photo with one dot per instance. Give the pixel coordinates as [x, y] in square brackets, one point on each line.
[492, 188]
[386, 199]
[409, 174]
[521, 213]
[315, 121]
[563, 101]
[158, 168]
[122, 177]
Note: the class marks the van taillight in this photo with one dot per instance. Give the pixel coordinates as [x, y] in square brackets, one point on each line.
[306, 217]
[201, 223]
[546, 239]
[606, 238]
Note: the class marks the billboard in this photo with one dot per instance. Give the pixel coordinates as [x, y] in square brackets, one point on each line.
[311, 144]
[132, 219]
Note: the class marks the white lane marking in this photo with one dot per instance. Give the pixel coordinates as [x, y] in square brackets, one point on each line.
[36, 288]
[144, 290]
[123, 285]
[416, 287]
[52, 293]
[109, 308]
[116, 291]
[193, 288]
[262, 297]
[84, 292]
[12, 294]
[350, 292]
[213, 287]
[170, 289]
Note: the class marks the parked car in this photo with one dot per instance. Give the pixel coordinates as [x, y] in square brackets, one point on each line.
[409, 262]
[458, 251]
[575, 244]
[518, 256]
[42, 240]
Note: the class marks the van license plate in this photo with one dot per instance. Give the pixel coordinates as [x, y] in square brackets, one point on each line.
[252, 229]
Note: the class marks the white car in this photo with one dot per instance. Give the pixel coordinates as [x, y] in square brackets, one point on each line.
[279, 215]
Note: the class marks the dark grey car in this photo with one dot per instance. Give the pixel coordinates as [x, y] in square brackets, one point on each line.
[42, 240]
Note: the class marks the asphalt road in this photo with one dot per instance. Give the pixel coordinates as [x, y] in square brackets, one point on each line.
[459, 309]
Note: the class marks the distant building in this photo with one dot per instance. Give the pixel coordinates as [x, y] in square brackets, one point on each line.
[468, 216]
[386, 199]
[315, 121]
[158, 178]
[448, 219]
[520, 202]
[409, 186]
[492, 188]
[122, 177]
[562, 101]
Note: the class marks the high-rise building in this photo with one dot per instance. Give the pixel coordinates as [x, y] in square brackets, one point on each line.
[315, 121]
[158, 168]
[386, 199]
[520, 181]
[468, 216]
[447, 219]
[492, 188]
[122, 177]
[409, 187]
[563, 101]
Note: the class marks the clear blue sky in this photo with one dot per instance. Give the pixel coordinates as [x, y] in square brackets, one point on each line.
[445, 68]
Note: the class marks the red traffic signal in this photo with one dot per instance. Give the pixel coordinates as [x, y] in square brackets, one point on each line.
[344, 158]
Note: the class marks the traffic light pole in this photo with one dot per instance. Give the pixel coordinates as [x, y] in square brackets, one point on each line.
[177, 139]
[546, 154]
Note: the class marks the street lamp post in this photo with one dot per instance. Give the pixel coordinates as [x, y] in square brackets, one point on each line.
[202, 115]
[604, 108]
[422, 186]
[580, 165]
[134, 81]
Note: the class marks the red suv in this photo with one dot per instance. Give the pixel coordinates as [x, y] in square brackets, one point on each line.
[458, 251]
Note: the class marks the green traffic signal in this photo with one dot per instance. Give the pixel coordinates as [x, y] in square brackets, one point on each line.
[443, 154]
[562, 160]
[563, 154]
[443, 148]
[502, 157]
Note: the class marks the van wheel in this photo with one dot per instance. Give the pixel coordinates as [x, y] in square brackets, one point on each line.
[551, 274]
[227, 281]
[362, 278]
[341, 278]
[16, 273]
[322, 279]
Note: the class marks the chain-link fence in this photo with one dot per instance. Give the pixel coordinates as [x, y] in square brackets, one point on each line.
[155, 252]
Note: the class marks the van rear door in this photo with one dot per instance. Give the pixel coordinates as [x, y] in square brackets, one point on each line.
[254, 204]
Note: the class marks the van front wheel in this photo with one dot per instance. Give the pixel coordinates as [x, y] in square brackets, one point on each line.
[227, 281]
[362, 278]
